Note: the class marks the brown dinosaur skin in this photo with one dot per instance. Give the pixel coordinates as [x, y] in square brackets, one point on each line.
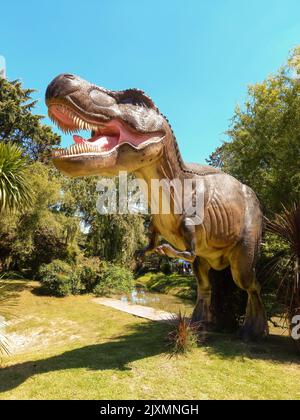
[141, 141]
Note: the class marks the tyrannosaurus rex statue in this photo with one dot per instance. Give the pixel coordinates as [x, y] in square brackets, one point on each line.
[129, 133]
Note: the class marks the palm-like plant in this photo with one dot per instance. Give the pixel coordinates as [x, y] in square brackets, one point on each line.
[14, 195]
[14, 185]
[287, 227]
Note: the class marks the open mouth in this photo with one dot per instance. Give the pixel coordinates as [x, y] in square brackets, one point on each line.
[105, 137]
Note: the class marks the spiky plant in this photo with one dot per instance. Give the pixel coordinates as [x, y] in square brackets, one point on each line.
[14, 195]
[287, 227]
[14, 185]
[184, 336]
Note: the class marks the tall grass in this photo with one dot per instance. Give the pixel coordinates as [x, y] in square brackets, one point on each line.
[184, 336]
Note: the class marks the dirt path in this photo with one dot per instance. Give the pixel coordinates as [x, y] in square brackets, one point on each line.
[137, 310]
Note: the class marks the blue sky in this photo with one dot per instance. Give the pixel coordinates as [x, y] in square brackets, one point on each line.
[194, 57]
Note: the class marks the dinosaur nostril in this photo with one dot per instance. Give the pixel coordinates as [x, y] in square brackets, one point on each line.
[69, 76]
[62, 85]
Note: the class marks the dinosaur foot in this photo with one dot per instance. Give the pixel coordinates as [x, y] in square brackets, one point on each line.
[253, 331]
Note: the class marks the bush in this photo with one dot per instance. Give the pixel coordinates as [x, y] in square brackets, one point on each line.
[167, 268]
[60, 279]
[114, 279]
[90, 272]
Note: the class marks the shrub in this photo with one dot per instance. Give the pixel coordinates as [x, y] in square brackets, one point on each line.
[60, 279]
[90, 272]
[167, 268]
[114, 279]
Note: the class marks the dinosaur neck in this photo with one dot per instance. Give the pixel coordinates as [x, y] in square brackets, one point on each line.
[168, 167]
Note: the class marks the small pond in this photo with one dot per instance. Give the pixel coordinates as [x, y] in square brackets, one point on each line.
[160, 301]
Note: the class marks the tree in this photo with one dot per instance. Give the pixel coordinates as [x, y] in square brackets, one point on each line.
[14, 184]
[42, 233]
[19, 126]
[263, 150]
[111, 237]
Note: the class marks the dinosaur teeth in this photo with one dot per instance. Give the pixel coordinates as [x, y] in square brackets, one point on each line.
[76, 149]
[78, 122]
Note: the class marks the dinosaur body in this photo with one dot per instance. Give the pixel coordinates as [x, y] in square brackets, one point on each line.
[129, 133]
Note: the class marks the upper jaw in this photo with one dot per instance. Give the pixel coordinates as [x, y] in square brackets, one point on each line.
[71, 120]
[107, 136]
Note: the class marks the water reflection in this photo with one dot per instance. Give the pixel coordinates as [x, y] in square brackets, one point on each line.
[160, 301]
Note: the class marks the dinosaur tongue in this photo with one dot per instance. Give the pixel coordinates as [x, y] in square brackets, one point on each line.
[101, 142]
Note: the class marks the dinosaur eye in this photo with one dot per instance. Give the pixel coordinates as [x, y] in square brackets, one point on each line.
[132, 101]
[101, 98]
[127, 101]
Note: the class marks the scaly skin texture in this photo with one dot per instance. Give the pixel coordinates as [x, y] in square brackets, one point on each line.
[129, 133]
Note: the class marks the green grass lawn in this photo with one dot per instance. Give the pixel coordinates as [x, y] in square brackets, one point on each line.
[72, 348]
[174, 284]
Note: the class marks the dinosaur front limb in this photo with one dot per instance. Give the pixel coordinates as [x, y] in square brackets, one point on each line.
[189, 236]
[171, 252]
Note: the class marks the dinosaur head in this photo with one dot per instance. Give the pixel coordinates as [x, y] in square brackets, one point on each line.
[126, 130]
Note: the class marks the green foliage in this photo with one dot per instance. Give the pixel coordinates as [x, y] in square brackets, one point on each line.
[19, 126]
[14, 183]
[91, 272]
[114, 279]
[113, 237]
[264, 147]
[43, 233]
[87, 275]
[166, 268]
[60, 279]
[286, 226]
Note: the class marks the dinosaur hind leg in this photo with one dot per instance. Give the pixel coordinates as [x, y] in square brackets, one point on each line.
[243, 273]
[202, 311]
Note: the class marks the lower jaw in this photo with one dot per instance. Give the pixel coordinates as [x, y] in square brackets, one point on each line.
[77, 150]
[82, 165]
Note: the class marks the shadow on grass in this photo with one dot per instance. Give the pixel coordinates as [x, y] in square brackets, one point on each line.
[13, 288]
[275, 348]
[145, 340]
